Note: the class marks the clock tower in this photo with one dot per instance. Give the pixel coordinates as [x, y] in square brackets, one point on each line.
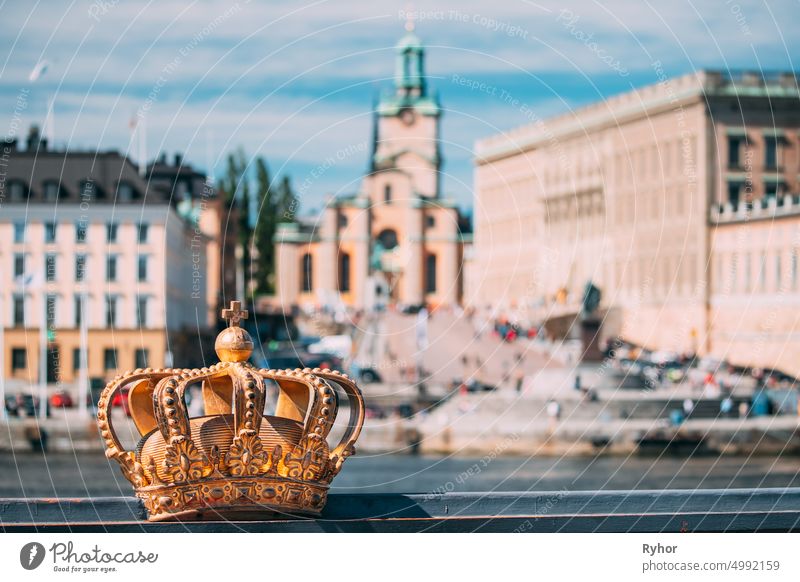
[407, 132]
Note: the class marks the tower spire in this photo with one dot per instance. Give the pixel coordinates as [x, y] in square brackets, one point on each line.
[409, 17]
[409, 71]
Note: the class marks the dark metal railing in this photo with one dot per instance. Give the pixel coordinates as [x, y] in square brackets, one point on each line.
[703, 510]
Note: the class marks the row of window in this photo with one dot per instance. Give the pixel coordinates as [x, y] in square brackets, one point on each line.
[655, 204]
[735, 273]
[51, 259]
[52, 191]
[307, 273]
[647, 277]
[111, 310]
[582, 206]
[19, 358]
[657, 161]
[735, 149]
[50, 229]
[430, 221]
[739, 191]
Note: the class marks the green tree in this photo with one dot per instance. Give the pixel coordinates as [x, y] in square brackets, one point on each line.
[236, 189]
[276, 205]
[287, 202]
[265, 228]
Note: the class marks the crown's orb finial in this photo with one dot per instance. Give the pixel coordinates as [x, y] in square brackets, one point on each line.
[234, 344]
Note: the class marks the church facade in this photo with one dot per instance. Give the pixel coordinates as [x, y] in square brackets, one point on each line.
[397, 240]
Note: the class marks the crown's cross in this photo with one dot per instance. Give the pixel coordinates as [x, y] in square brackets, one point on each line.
[235, 314]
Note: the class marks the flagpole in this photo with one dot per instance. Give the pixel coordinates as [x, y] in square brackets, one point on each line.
[209, 157]
[140, 128]
[50, 122]
[239, 252]
[43, 358]
[422, 340]
[83, 375]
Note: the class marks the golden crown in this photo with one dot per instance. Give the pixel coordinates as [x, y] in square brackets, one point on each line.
[234, 461]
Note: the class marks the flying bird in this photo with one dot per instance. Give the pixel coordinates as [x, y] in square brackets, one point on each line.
[39, 70]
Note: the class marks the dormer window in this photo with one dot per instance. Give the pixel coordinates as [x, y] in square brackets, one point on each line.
[126, 192]
[17, 191]
[90, 190]
[52, 191]
[181, 190]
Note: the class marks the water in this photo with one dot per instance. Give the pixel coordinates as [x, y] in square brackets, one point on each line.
[92, 475]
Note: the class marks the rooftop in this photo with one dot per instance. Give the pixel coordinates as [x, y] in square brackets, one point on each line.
[668, 93]
[42, 174]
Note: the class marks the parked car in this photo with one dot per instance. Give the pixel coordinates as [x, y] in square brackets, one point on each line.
[11, 405]
[61, 399]
[339, 345]
[411, 308]
[323, 361]
[471, 385]
[121, 399]
[291, 360]
[633, 378]
[24, 404]
[369, 375]
[29, 403]
[374, 412]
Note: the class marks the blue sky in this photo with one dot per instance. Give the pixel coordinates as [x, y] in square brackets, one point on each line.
[295, 81]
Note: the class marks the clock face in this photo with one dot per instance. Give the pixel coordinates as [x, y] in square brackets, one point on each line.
[407, 116]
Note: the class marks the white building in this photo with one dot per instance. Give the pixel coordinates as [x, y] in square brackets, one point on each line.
[84, 236]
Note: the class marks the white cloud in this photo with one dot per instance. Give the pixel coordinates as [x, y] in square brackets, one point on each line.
[251, 71]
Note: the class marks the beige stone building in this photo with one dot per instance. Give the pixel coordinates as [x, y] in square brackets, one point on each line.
[679, 201]
[397, 240]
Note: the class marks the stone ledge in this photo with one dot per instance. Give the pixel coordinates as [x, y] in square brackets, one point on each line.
[705, 510]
